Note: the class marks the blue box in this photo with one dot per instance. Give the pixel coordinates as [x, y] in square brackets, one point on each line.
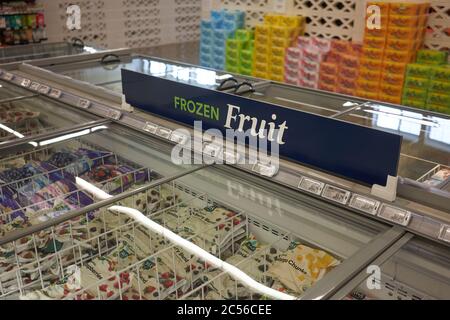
[217, 15]
[206, 41]
[206, 25]
[223, 34]
[206, 49]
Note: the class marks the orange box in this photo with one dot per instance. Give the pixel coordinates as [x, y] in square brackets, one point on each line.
[369, 75]
[370, 64]
[368, 86]
[405, 9]
[394, 67]
[399, 56]
[356, 48]
[349, 61]
[402, 33]
[423, 19]
[340, 46]
[390, 99]
[347, 83]
[403, 21]
[326, 87]
[392, 79]
[376, 54]
[401, 45]
[329, 68]
[333, 56]
[328, 79]
[393, 91]
[368, 95]
[374, 42]
[349, 73]
[346, 91]
[424, 7]
[380, 33]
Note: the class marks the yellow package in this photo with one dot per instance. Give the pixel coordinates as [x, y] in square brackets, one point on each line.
[370, 64]
[405, 9]
[277, 51]
[301, 267]
[262, 48]
[261, 57]
[277, 61]
[260, 74]
[272, 19]
[280, 42]
[392, 79]
[375, 54]
[276, 70]
[390, 99]
[283, 32]
[374, 42]
[393, 91]
[401, 45]
[367, 94]
[276, 77]
[399, 56]
[262, 30]
[403, 21]
[260, 66]
[262, 40]
[368, 86]
[401, 33]
[292, 21]
[369, 75]
[394, 67]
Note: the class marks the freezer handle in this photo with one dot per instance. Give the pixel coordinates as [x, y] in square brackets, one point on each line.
[110, 58]
[244, 84]
[222, 86]
[77, 42]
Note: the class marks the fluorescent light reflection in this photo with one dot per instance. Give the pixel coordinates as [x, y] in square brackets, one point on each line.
[235, 272]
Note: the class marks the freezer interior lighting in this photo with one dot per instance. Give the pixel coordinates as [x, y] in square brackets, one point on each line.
[17, 134]
[185, 244]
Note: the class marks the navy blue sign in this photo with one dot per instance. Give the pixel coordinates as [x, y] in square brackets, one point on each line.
[352, 151]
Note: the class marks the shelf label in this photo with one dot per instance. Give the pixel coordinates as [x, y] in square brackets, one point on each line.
[311, 185]
[231, 157]
[444, 234]
[150, 127]
[34, 86]
[114, 114]
[212, 150]
[178, 138]
[266, 170]
[83, 103]
[55, 93]
[163, 132]
[396, 215]
[336, 194]
[25, 83]
[364, 204]
[44, 89]
[8, 76]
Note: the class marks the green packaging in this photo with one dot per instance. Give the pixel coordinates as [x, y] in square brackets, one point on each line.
[438, 108]
[414, 103]
[232, 53]
[440, 99]
[439, 86]
[244, 34]
[232, 61]
[415, 94]
[416, 70]
[245, 71]
[434, 57]
[418, 83]
[231, 68]
[441, 74]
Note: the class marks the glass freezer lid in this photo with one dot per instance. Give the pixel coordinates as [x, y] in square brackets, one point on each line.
[311, 101]
[420, 270]
[41, 51]
[426, 138]
[109, 75]
[37, 115]
[9, 91]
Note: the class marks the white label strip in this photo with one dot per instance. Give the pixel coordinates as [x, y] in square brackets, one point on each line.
[364, 204]
[336, 194]
[265, 169]
[83, 103]
[311, 185]
[212, 150]
[55, 93]
[25, 83]
[150, 127]
[444, 235]
[394, 214]
[35, 86]
[163, 132]
[178, 138]
[44, 89]
[114, 114]
[8, 76]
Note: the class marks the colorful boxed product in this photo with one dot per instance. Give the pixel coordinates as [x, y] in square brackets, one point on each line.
[415, 94]
[389, 90]
[389, 98]
[329, 68]
[369, 75]
[368, 86]
[374, 54]
[309, 84]
[413, 103]
[403, 21]
[374, 42]
[432, 57]
[324, 45]
[349, 73]
[392, 79]
[349, 61]
[324, 86]
[405, 9]
[439, 86]
[398, 56]
[371, 64]
[371, 95]
[440, 73]
[417, 83]
[291, 80]
[441, 99]
[401, 45]
[400, 33]
[419, 71]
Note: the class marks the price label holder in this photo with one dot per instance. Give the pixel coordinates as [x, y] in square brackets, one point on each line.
[44, 89]
[150, 127]
[336, 194]
[163, 132]
[394, 214]
[212, 150]
[444, 234]
[265, 169]
[311, 185]
[25, 83]
[35, 86]
[55, 93]
[83, 103]
[8, 76]
[364, 204]
[114, 114]
[178, 138]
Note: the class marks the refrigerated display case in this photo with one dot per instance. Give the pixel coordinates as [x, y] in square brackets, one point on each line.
[282, 235]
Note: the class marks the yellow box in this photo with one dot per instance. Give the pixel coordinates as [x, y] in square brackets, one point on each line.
[276, 70]
[375, 54]
[292, 21]
[366, 94]
[260, 74]
[261, 57]
[370, 64]
[393, 91]
[399, 56]
[277, 51]
[369, 75]
[263, 40]
[283, 32]
[401, 45]
[262, 30]
[261, 67]
[277, 61]
[272, 19]
[405, 9]
[392, 79]
[389, 99]
[401, 33]
[394, 67]
[403, 21]
[275, 77]
[280, 42]
[368, 86]
[380, 33]
[261, 48]
[374, 42]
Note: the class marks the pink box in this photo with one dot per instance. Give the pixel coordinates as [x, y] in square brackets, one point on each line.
[309, 76]
[313, 54]
[307, 84]
[292, 72]
[323, 44]
[310, 66]
[294, 53]
[291, 62]
[303, 42]
[291, 80]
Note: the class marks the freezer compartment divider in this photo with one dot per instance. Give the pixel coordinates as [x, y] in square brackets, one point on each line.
[18, 234]
[18, 98]
[53, 134]
[358, 279]
[342, 274]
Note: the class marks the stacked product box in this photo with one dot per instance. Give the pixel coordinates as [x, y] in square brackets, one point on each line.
[340, 69]
[427, 82]
[388, 50]
[272, 39]
[214, 34]
[302, 62]
[239, 52]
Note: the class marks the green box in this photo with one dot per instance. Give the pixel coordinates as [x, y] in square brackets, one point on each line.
[416, 70]
[439, 87]
[414, 103]
[245, 71]
[247, 55]
[415, 94]
[232, 61]
[231, 68]
[244, 34]
[440, 99]
[234, 44]
[232, 54]
[432, 57]
[441, 74]
[417, 83]
[246, 64]
[438, 108]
